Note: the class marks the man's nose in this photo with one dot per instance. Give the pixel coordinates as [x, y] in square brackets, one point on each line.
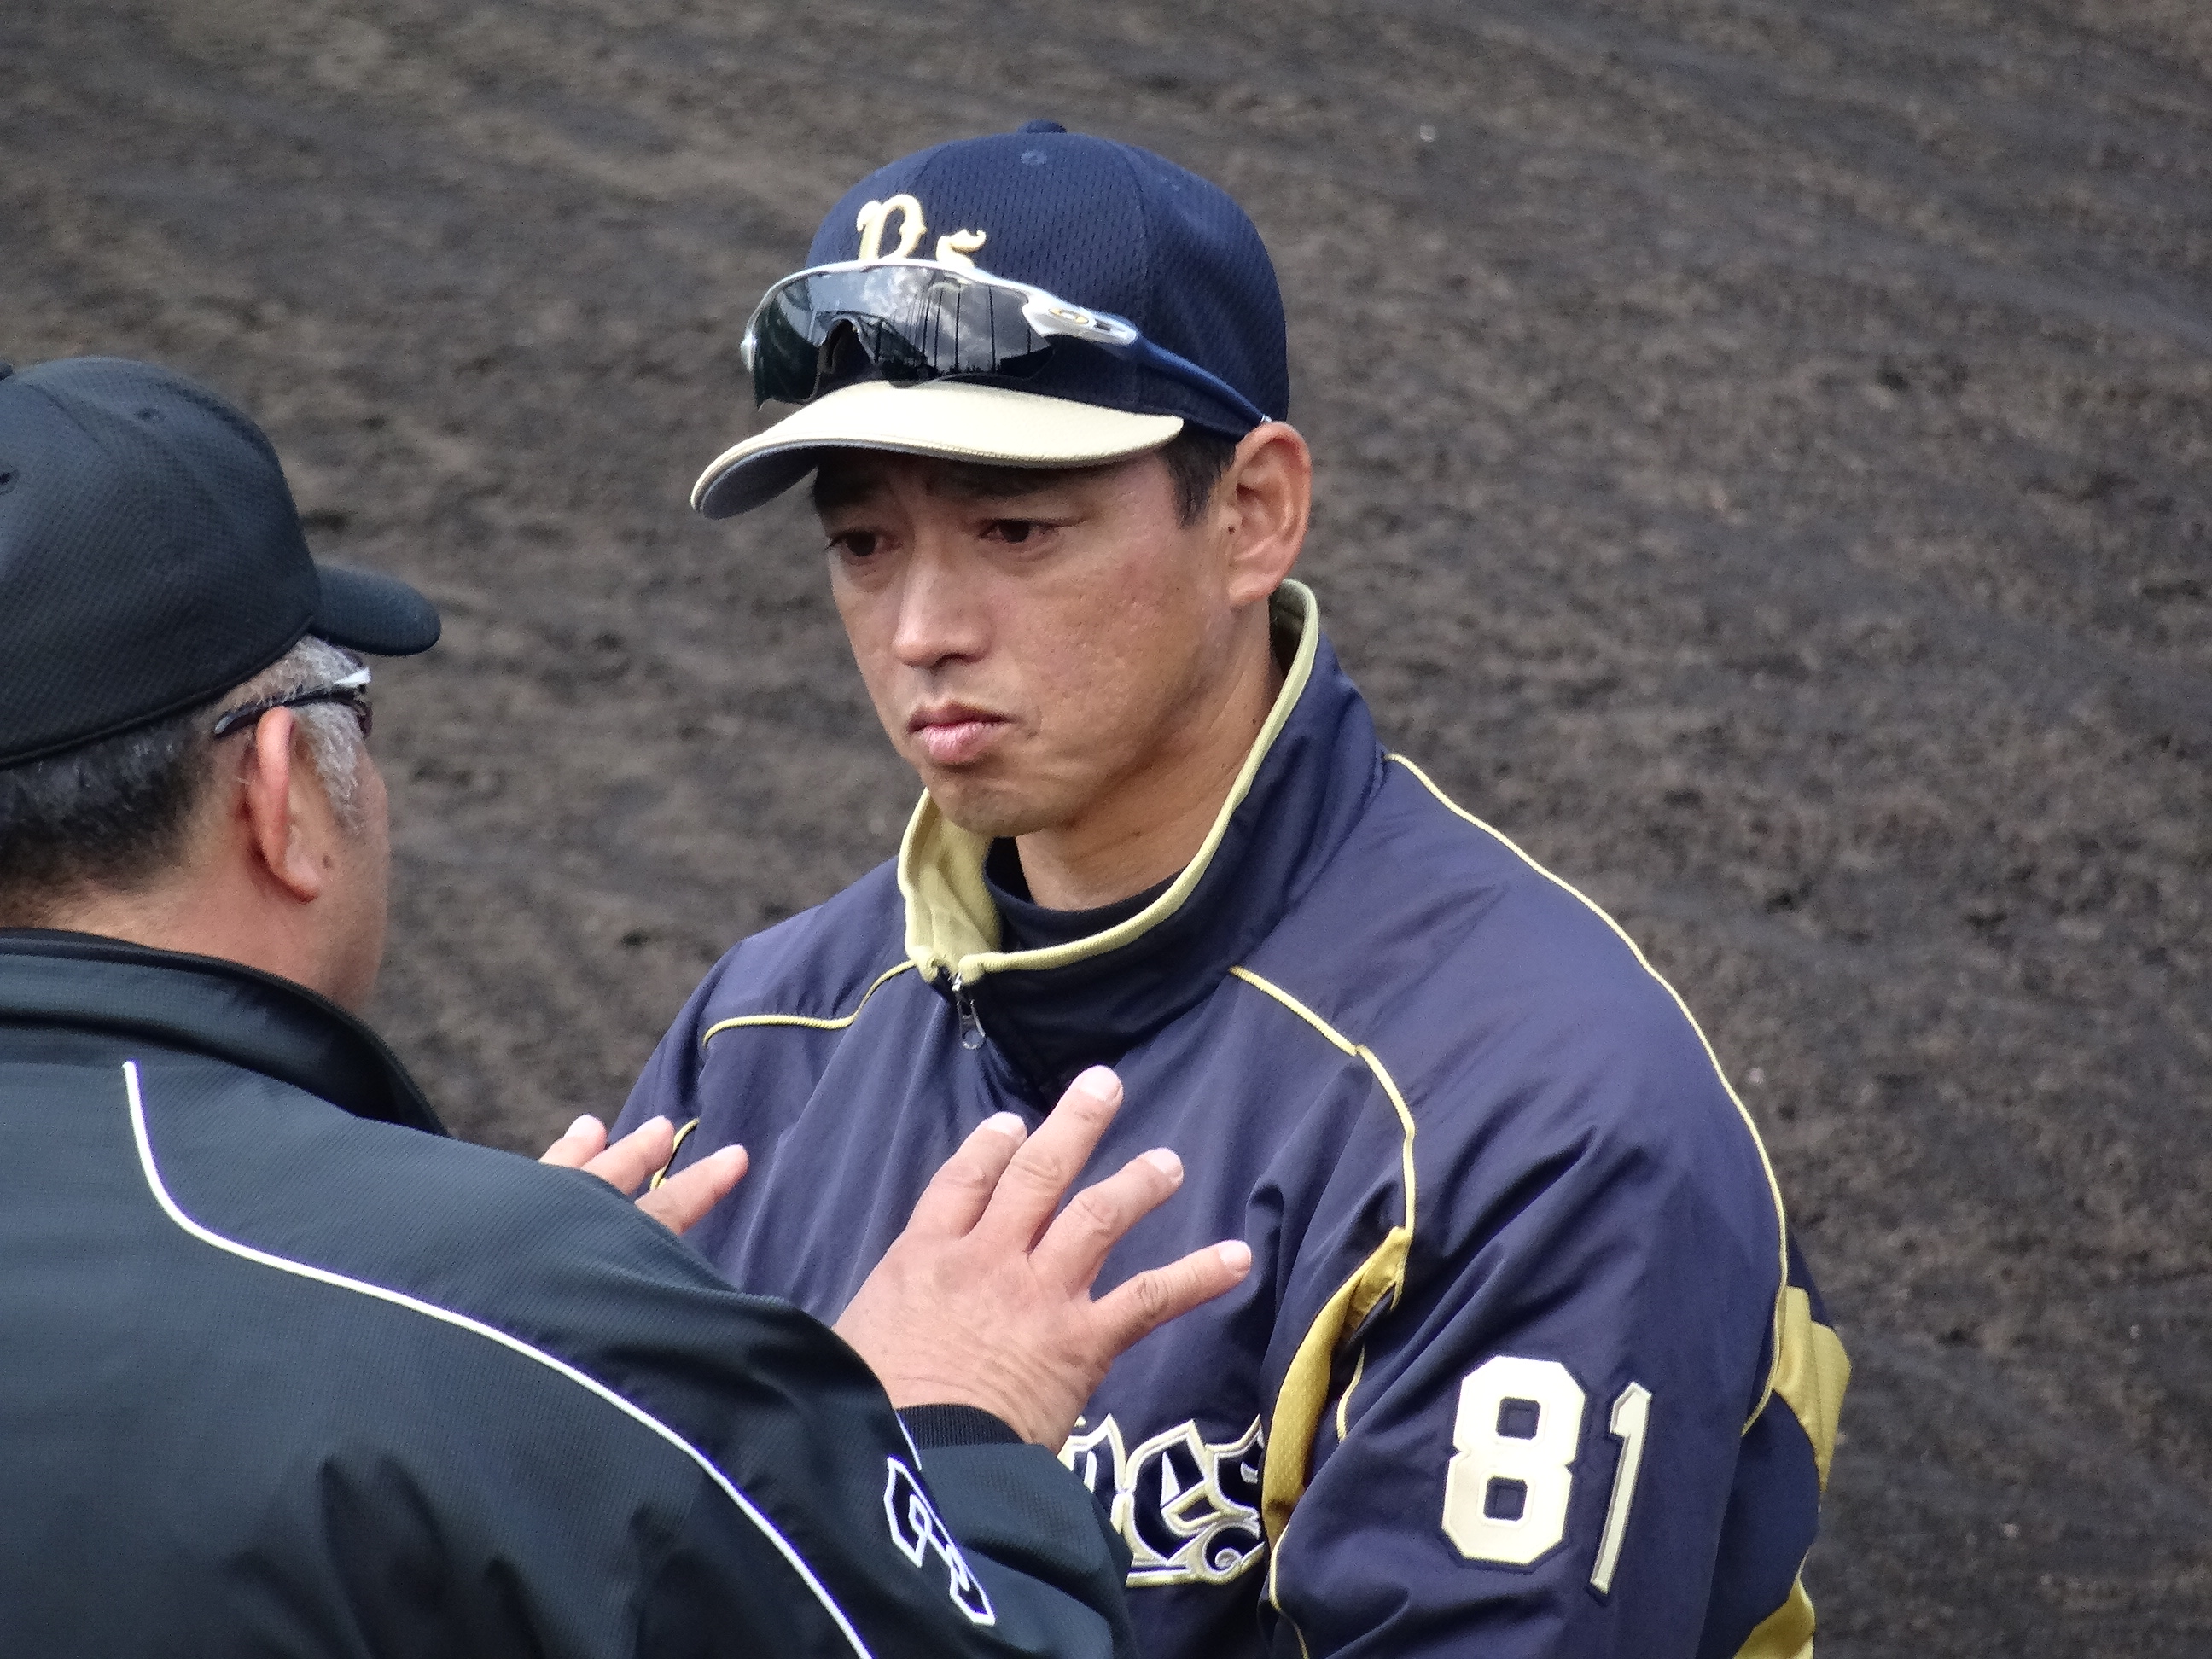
[941, 616]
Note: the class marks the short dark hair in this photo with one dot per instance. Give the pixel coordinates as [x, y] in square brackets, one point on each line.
[1195, 459]
[108, 814]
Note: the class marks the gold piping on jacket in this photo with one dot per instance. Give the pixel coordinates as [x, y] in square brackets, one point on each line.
[1814, 1373]
[1773, 1186]
[674, 1147]
[1303, 1395]
[1344, 1400]
[809, 1021]
[1785, 1633]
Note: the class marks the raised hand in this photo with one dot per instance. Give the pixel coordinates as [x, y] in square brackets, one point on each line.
[985, 1299]
[678, 1201]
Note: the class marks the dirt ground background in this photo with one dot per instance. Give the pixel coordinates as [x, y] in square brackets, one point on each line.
[1764, 468]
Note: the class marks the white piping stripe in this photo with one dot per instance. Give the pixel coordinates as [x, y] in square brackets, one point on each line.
[447, 1315]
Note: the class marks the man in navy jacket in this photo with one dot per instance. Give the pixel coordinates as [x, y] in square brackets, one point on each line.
[1528, 1364]
[288, 1372]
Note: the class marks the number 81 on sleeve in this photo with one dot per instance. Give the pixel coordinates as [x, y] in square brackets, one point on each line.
[1514, 1440]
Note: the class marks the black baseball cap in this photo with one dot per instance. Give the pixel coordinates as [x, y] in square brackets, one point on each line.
[151, 557]
[1095, 222]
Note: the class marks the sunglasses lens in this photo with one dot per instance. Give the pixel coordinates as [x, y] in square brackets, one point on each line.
[787, 345]
[904, 323]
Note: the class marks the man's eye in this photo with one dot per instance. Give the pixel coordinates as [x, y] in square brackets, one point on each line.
[856, 544]
[1016, 531]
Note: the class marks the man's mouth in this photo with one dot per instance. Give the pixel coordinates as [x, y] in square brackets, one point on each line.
[952, 734]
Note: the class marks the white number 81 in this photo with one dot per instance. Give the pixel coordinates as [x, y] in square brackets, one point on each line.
[1514, 1440]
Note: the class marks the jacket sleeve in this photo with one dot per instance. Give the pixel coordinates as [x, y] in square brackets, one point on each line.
[770, 1499]
[1554, 1434]
[979, 1548]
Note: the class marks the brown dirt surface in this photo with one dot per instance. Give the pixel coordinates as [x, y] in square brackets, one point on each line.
[1765, 467]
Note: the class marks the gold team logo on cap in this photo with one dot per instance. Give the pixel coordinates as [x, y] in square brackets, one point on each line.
[952, 249]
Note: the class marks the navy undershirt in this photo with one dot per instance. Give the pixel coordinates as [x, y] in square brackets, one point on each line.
[1025, 925]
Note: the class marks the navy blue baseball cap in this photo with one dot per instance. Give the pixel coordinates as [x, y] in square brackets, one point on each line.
[151, 557]
[1100, 225]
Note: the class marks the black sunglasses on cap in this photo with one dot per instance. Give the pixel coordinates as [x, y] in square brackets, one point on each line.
[918, 319]
[352, 692]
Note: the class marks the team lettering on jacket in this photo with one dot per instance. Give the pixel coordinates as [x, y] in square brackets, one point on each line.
[919, 1531]
[1188, 1507]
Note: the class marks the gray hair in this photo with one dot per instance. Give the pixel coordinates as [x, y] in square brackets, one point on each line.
[334, 741]
[115, 813]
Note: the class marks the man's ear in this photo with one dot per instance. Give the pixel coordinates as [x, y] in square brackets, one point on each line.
[280, 801]
[1267, 494]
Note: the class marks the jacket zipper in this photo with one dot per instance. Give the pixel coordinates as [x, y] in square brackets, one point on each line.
[963, 1009]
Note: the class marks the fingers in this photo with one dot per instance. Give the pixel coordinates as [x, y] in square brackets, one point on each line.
[1040, 1173]
[687, 1195]
[624, 1165]
[678, 1201]
[582, 1141]
[959, 1193]
[1142, 1305]
[1074, 1247]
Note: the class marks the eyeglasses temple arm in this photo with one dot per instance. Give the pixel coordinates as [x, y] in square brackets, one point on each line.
[1167, 362]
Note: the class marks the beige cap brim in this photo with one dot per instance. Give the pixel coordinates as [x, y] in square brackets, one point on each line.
[955, 419]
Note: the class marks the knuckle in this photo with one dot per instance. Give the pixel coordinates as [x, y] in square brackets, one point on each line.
[1094, 1210]
[967, 1177]
[1044, 1174]
[1151, 1296]
[960, 1177]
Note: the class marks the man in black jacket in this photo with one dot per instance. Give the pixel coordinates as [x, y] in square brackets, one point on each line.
[285, 1371]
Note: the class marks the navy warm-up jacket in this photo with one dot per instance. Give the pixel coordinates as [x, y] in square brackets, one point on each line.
[285, 1372]
[1525, 1364]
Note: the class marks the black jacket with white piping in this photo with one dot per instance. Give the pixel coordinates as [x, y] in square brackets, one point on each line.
[287, 1371]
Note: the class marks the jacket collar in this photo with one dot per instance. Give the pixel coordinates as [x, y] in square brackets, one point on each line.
[1051, 1012]
[209, 1006]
